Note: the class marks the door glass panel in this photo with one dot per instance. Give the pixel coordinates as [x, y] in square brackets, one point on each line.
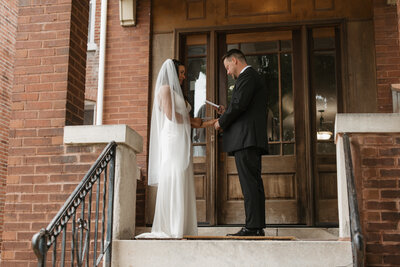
[324, 38]
[288, 149]
[325, 88]
[287, 98]
[233, 46]
[286, 45]
[196, 50]
[274, 149]
[273, 60]
[193, 52]
[261, 47]
[325, 81]
[196, 93]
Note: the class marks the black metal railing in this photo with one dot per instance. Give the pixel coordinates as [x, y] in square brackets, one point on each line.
[357, 239]
[78, 240]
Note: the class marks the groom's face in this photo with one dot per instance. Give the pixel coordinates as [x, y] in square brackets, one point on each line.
[231, 67]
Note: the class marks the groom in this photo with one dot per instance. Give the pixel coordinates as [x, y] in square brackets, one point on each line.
[244, 124]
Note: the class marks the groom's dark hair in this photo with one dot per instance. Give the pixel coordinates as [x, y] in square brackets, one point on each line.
[236, 53]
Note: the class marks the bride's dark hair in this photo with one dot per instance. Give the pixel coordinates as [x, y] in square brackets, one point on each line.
[177, 63]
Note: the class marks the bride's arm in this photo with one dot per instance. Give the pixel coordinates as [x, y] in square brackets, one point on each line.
[199, 123]
[165, 102]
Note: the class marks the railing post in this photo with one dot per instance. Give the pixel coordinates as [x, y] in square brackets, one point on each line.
[110, 211]
[39, 245]
[357, 243]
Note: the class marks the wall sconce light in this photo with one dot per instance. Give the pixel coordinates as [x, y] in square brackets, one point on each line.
[323, 134]
[127, 12]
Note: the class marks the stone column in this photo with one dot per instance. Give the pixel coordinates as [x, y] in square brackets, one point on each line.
[356, 124]
[129, 143]
[396, 98]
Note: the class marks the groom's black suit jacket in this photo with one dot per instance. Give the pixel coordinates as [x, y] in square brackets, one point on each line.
[244, 122]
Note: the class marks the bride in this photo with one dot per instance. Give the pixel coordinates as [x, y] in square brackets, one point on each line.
[170, 159]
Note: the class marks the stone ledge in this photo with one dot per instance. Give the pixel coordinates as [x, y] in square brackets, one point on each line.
[396, 87]
[367, 123]
[103, 134]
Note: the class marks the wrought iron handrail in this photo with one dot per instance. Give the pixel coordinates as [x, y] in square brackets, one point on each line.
[357, 239]
[80, 245]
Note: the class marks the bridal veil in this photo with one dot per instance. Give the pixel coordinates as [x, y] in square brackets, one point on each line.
[169, 107]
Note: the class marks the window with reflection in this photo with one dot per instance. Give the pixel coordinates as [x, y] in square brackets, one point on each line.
[196, 70]
[272, 58]
[324, 83]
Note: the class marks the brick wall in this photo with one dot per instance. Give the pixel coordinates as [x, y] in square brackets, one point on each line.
[126, 96]
[127, 72]
[387, 52]
[398, 17]
[126, 78]
[8, 27]
[377, 171]
[46, 95]
[77, 61]
[92, 61]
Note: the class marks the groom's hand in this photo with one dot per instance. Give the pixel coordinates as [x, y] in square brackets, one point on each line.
[220, 110]
[216, 125]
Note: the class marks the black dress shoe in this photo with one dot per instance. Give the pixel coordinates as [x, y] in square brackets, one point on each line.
[249, 232]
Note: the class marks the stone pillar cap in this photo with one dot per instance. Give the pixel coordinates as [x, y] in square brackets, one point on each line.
[103, 134]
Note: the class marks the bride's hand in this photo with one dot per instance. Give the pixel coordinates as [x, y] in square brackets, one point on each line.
[208, 123]
[196, 122]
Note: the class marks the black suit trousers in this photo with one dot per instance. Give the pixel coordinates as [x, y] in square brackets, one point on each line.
[248, 163]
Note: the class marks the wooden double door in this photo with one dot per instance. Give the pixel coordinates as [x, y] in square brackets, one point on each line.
[302, 70]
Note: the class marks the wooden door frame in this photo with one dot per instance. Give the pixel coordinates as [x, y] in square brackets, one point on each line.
[307, 208]
[339, 29]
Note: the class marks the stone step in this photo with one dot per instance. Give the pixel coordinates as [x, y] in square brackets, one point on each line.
[302, 233]
[230, 253]
[312, 247]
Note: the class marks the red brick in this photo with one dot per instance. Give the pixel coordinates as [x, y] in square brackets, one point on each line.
[380, 248]
[65, 178]
[390, 194]
[369, 172]
[16, 226]
[77, 168]
[369, 152]
[389, 152]
[375, 183]
[34, 198]
[390, 173]
[34, 179]
[46, 207]
[49, 169]
[373, 216]
[61, 198]
[391, 216]
[373, 259]
[391, 237]
[391, 259]
[376, 205]
[378, 140]
[47, 188]
[63, 159]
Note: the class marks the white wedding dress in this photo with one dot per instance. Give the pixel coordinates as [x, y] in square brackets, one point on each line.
[170, 152]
